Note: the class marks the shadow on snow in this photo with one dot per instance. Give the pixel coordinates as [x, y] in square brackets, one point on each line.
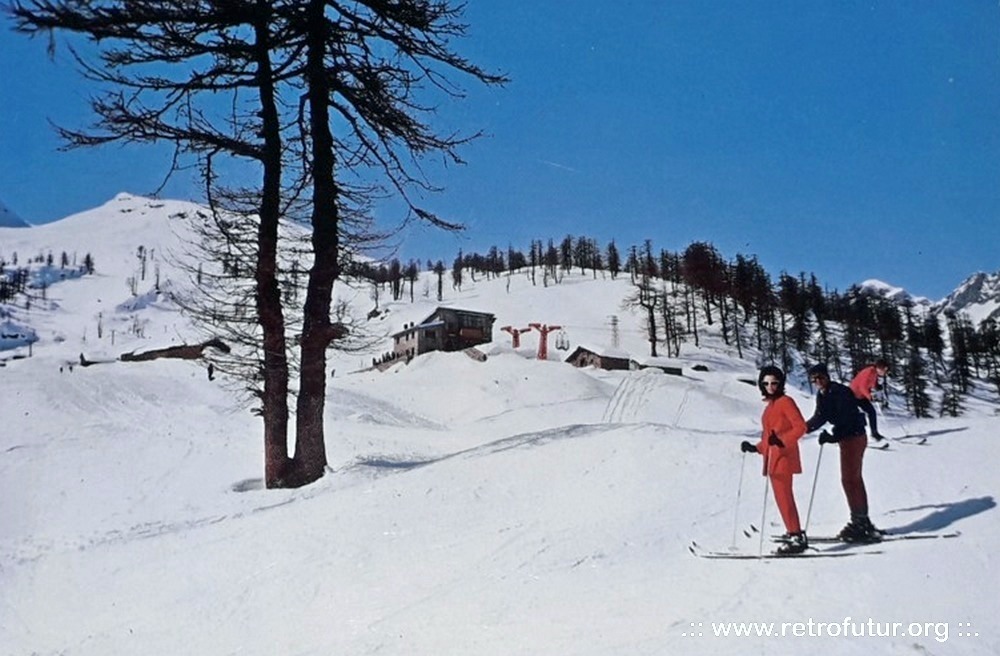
[944, 515]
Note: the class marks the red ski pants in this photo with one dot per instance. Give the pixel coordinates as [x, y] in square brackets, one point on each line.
[852, 454]
[784, 496]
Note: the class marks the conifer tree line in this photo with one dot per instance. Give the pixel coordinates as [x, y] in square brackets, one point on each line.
[792, 321]
[16, 280]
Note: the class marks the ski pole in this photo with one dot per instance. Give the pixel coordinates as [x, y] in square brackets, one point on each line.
[739, 493]
[763, 509]
[812, 494]
[898, 422]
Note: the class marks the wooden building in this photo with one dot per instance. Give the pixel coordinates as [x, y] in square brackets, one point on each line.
[602, 358]
[666, 365]
[446, 329]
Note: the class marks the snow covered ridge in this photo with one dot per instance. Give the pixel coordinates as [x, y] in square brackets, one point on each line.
[95, 280]
[885, 290]
[978, 297]
[128, 228]
[8, 219]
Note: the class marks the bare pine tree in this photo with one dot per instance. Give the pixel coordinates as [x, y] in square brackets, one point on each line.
[286, 72]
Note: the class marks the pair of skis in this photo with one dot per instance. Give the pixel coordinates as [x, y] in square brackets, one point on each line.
[912, 440]
[863, 548]
[697, 550]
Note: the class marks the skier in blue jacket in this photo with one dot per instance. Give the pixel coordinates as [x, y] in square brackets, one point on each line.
[837, 405]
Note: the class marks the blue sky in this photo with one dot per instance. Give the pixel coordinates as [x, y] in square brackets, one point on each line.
[852, 140]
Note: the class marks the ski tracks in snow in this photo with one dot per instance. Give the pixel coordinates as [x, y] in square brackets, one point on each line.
[635, 393]
[630, 397]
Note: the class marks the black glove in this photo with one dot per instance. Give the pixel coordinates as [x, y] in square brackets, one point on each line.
[746, 447]
[773, 440]
[878, 388]
[825, 438]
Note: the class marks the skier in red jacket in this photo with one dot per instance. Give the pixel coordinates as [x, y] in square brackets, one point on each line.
[862, 386]
[782, 426]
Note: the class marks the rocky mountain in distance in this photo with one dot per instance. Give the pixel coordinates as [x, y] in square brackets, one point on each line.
[978, 297]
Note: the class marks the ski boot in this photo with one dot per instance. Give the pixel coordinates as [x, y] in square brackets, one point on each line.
[860, 530]
[792, 543]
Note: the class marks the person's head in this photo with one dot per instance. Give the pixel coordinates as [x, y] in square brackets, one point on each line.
[882, 367]
[819, 376]
[771, 382]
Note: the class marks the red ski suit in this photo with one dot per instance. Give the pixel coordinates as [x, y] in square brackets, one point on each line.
[863, 384]
[782, 417]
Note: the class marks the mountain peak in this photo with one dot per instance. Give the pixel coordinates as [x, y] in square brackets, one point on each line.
[8, 219]
[883, 289]
[978, 297]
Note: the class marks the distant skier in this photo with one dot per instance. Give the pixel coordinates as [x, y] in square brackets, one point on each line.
[835, 404]
[782, 426]
[862, 386]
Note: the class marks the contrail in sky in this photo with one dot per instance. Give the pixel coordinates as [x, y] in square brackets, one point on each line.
[558, 166]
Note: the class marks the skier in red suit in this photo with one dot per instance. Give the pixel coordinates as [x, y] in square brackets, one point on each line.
[782, 426]
[862, 386]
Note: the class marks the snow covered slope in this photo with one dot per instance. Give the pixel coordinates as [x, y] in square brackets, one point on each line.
[98, 313]
[512, 506]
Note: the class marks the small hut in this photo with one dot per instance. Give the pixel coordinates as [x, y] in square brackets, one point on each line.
[666, 365]
[602, 358]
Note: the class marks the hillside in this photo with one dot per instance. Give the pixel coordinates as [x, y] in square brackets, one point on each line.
[512, 506]
[8, 219]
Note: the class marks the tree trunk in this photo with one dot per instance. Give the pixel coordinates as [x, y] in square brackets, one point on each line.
[274, 397]
[310, 443]
[651, 314]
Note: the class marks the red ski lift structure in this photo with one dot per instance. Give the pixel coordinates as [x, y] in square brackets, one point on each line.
[515, 334]
[543, 339]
